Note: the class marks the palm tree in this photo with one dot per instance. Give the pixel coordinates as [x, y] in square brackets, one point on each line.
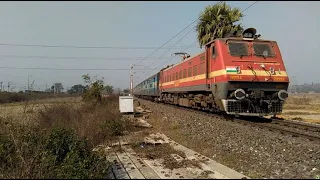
[217, 21]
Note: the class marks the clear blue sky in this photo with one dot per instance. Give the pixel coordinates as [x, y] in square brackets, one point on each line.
[294, 25]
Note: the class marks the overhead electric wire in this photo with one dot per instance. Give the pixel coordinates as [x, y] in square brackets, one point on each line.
[199, 18]
[170, 49]
[74, 57]
[170, 58]
[83, 47]
[173, 37]
[178, 34]
[69, 69]
[169, 40]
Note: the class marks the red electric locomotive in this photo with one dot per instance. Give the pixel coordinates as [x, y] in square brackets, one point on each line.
[237, 75]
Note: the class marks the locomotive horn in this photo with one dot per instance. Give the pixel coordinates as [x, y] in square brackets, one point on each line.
[249, 33]
[238, 94]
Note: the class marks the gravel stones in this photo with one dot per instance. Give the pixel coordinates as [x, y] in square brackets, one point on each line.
[257, 152]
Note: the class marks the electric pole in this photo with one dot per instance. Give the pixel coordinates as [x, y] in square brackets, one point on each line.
[131, 77]
[131, 80]
[28, 82]
[1, 85]
[46, 88]
[9, 86]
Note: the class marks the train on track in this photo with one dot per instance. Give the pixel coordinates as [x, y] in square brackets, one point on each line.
[238, 75]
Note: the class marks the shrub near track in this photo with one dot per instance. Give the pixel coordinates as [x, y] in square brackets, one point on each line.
[59, 144]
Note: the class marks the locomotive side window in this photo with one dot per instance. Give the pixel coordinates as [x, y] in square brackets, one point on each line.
[189, 72]
[195, 70]
[184, 73]
[213, 52]
[238, 49]
[263, 49]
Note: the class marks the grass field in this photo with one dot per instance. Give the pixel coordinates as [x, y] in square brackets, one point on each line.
[303, 107]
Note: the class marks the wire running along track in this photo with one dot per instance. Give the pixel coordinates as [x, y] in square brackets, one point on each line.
[266, 123]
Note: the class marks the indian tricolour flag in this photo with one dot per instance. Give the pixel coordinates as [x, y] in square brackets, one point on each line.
[231, 69]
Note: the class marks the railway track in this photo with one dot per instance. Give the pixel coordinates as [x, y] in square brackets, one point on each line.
[310, 131]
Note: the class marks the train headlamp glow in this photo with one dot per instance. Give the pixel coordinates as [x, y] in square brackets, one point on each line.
[282, 95]
[239, 94]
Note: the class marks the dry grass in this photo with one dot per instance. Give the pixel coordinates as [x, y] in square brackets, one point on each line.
[62, 130]
[302, 107]
[163, 152]
[26, 112]
[297, 113]
[96, 122]
[11, 97]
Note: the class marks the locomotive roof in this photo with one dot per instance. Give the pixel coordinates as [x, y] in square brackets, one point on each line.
[239, 38]
[222, 39]
[183, 61]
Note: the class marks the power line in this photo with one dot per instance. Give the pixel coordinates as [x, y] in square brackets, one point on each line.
[42, 68]
[173, 56]
[83, 47]
[249, 6]
[77, 58]
[199, 18]
[170, 39]
[174, 36]
[172, 46]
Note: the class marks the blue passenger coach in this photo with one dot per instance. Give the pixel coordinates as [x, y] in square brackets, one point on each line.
[148, 88]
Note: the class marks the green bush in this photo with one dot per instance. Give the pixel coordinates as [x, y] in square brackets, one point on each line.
[59, 153]
[66, 156]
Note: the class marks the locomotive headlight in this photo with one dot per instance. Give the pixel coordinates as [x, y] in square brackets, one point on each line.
[239, 94]
[238, 69]
[272, 71]
[282, 95]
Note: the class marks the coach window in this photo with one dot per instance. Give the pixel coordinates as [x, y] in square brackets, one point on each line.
[172, 77]
[195, 70]
[177, 76]
[189, 72]
[184, 73]
[180, 74]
